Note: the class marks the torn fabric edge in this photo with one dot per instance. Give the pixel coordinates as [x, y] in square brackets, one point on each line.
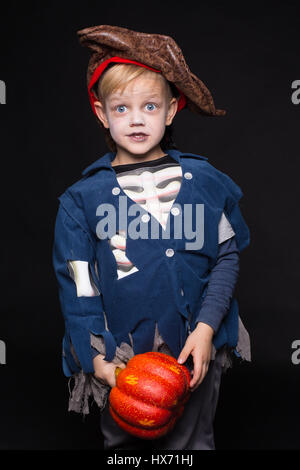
[87, 387]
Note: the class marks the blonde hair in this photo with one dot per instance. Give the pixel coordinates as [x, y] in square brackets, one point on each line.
[117, 77]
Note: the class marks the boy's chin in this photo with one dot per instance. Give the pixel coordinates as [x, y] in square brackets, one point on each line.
[139, 148]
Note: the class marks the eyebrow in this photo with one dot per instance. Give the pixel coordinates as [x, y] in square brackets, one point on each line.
[119, 97]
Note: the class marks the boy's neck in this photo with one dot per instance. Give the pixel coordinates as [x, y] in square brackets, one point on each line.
[124, 158]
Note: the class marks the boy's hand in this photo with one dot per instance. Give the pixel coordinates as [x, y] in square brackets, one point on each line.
[199, 344]
[106, 370]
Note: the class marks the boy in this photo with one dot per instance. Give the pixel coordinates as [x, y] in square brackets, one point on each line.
[125, 291]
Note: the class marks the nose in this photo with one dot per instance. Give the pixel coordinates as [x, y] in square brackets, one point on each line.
[136, 118]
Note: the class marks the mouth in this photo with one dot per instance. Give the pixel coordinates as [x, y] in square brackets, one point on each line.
[138, 136]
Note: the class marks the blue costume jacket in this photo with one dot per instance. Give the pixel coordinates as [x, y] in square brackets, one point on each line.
[170, 282]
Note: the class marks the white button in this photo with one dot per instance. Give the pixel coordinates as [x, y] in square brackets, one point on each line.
[188, 175]
[169, 252]
[116, 190]
[145, 217]
[175, 210]
[181, 292]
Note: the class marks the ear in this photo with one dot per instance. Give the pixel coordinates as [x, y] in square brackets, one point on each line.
[173, 105]
[100, 110]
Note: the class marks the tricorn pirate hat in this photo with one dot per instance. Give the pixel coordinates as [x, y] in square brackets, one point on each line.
[157, 52]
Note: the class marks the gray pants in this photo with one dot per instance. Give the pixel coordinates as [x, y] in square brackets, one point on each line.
[192, 431]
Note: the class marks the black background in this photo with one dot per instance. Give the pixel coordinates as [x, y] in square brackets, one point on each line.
[248, 56]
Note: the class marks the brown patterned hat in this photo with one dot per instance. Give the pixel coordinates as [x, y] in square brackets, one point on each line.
[157, 52]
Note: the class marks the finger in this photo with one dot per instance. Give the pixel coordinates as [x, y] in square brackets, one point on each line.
[197, 362]
[204, 372]
[183, 355]
[122, 365]
[196, 375]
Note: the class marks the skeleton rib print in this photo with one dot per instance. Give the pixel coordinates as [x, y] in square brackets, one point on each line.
[155, 189]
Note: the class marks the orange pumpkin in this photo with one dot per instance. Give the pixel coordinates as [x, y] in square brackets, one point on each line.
[149, 395]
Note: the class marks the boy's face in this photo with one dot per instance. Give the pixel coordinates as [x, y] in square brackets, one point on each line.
[137, 117]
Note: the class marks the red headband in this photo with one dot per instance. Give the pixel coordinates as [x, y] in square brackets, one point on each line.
[100, 69]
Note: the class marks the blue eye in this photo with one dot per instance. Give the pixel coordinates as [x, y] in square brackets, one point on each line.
[151, 104]
[122, 108]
